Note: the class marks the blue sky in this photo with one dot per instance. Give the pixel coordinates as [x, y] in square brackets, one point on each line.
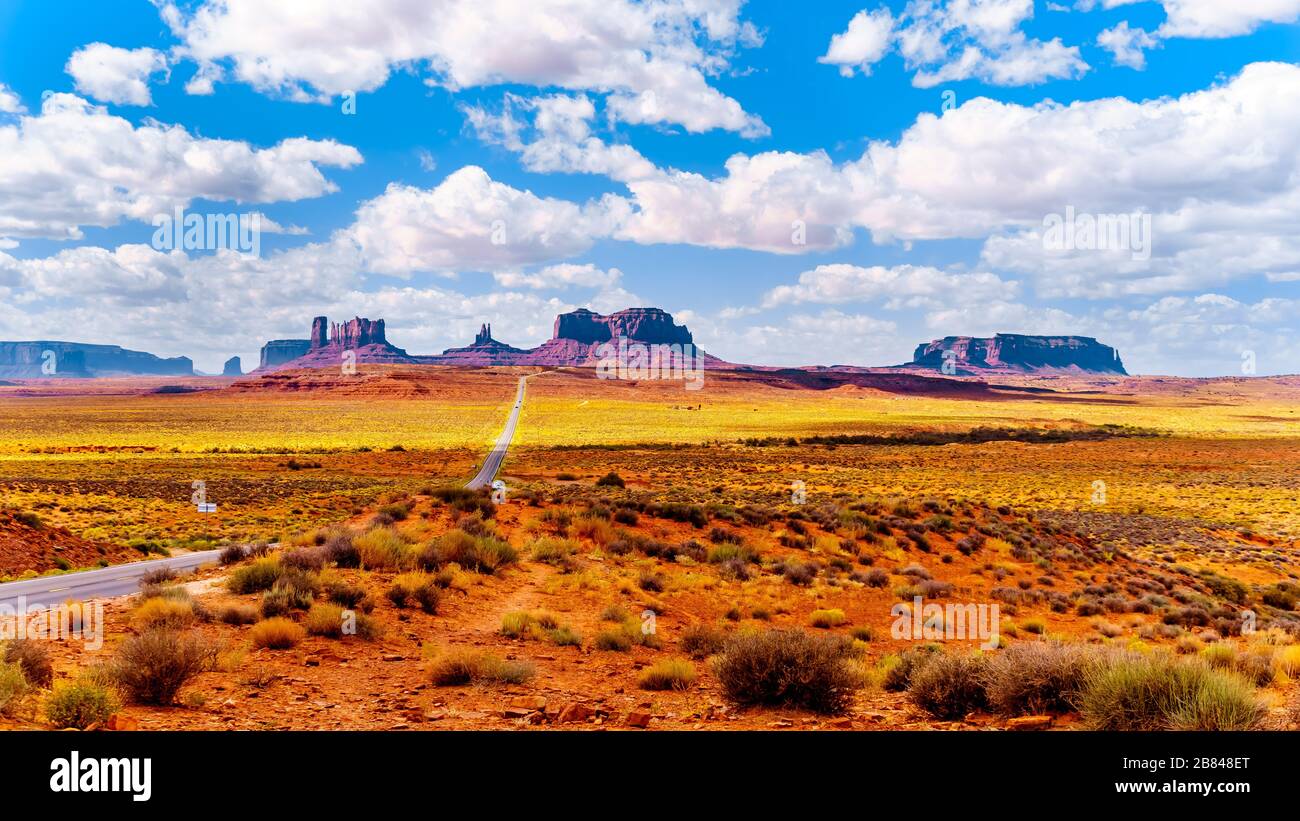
[660, 153]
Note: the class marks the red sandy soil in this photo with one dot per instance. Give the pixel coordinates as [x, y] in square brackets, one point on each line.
[25, 547]
[353, 684]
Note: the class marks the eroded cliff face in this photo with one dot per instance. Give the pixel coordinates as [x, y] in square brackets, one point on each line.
[576, 337]
[1020, 353]
[278, 352]
[41, 359]
[325, 347]
[353, 334]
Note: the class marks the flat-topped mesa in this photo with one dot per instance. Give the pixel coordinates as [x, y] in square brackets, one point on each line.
[653, 326]
[1019, 353]
[49, 358]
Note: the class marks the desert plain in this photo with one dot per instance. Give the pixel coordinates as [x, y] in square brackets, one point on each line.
[751, 555]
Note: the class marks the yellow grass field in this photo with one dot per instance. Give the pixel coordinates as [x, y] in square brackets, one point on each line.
[119, 463]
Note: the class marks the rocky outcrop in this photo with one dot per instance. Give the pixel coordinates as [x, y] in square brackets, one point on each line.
[484, 352]
[353, 334]
[333, 345]
[233, 367]
[652, 326]
[577, 340]
[1019, 353]
[44, 359]
[320, 329]
[279, 352]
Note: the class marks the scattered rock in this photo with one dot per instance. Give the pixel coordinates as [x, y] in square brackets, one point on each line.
[575, 712]
[638, 719]
[117, 721]
[1030, 723]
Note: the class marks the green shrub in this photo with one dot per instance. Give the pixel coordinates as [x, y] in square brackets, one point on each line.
[611, 479]
[788, 668]
[237, 614]
[345, 593]
[728, 551]
[281, 600]
[564, 637]
[13, 686]
[483, 554]
[899, 676]
[30, 519]
[615, 640]
[255, 577]
[80, 704]
[553, 551]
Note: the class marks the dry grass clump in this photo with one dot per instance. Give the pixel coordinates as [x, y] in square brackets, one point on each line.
[276, 633]
[950, 686]
[13, 687]
[382, 549]
[34, 659]
[163, 612]
[539, 625]
[558, 551]
[237, 614]
[702, 640]
[788, 668]
[827, 618]
[625, 636]
[465, 667]
[1133, 691]
[324, 620]
[1035, 677]
[418, 587]
[669, 674]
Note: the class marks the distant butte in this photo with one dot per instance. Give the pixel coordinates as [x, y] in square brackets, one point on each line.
[1018, 353]
[575, 342]
[578, 336]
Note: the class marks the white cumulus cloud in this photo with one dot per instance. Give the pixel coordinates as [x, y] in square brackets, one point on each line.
[115, 75]
[75, 164]
[654, 58]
